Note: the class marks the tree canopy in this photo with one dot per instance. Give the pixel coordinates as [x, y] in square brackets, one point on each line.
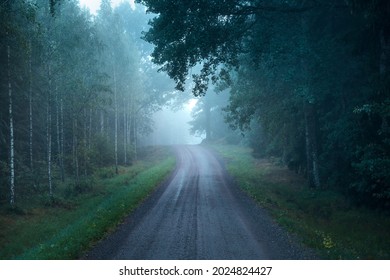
[311, 77]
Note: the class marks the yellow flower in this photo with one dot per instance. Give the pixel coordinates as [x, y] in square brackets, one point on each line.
[327, 242]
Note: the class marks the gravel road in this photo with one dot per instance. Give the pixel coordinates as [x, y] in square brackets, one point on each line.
[199, 213]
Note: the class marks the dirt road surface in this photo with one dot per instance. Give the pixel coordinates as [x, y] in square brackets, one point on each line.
[199, 213]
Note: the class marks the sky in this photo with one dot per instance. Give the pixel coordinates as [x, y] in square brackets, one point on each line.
[94, 5]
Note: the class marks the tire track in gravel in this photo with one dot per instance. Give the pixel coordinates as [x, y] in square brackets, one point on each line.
[199, 213]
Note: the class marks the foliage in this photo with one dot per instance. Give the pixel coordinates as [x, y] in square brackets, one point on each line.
[193, 31]
[208, 118]
[309, 81]
[81, 96]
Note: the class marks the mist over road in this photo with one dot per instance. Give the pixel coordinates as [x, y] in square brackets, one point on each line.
[198, 214]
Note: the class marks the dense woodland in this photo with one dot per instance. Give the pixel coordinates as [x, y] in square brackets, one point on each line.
[308, 81]
[76, 93]
[304, 81]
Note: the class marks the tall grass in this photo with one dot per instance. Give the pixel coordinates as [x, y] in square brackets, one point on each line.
[324, 219]
[66, 230]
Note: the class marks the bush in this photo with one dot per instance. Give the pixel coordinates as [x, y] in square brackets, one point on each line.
[373, 178]
[53, 201]
[101, 153]
[105, 173]
[81, 186]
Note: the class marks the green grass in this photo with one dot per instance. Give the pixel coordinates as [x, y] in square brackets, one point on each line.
[324, 219]
[66, 229]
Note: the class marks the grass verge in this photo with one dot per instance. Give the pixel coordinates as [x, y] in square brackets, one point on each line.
[324, 219]
[67, 229]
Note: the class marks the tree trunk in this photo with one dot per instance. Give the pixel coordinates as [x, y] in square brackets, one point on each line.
[58, 136]
[384, 54]
[75, 150]
[128, 129]
[311, 146]
[85, 155]
[208, 120]
[135, 139]
[124, 131]
[48, 133]
[101, 122]
[62, 140]
[311, 142]
[134, 130]
[116, 123]
[11, 131]
[383, 65]
[90, 129]
[30, 114]
[285, 145]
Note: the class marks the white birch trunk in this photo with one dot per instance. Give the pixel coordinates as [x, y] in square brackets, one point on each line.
[90, 129]
[48, 133]
[58, 135]
[75, 149]
[116, 122]
[11, 132]
[62, 140]
[133, 127]
[124, 131]
[30, 114]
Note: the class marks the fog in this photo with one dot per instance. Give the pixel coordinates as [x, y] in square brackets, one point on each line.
[171, 127]
[83, 88]
[294, 96]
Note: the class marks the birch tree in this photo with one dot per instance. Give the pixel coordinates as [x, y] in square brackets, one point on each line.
[11, 130]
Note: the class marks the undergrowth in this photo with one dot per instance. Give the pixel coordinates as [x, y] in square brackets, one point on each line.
[324, 219]
[64, 226]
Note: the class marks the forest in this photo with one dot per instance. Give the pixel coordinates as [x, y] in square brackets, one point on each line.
[308, 81]
[304, 83]
[76, 93]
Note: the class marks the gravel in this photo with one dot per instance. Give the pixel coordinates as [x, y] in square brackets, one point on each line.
[199, 213]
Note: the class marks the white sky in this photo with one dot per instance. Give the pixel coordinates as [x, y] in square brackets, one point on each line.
[191, 104]
[94, 5]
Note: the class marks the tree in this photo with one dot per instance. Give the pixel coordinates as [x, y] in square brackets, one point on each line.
[208, 118]
[311, 77]
[12, 35]
[212, 32]
[72, 89]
